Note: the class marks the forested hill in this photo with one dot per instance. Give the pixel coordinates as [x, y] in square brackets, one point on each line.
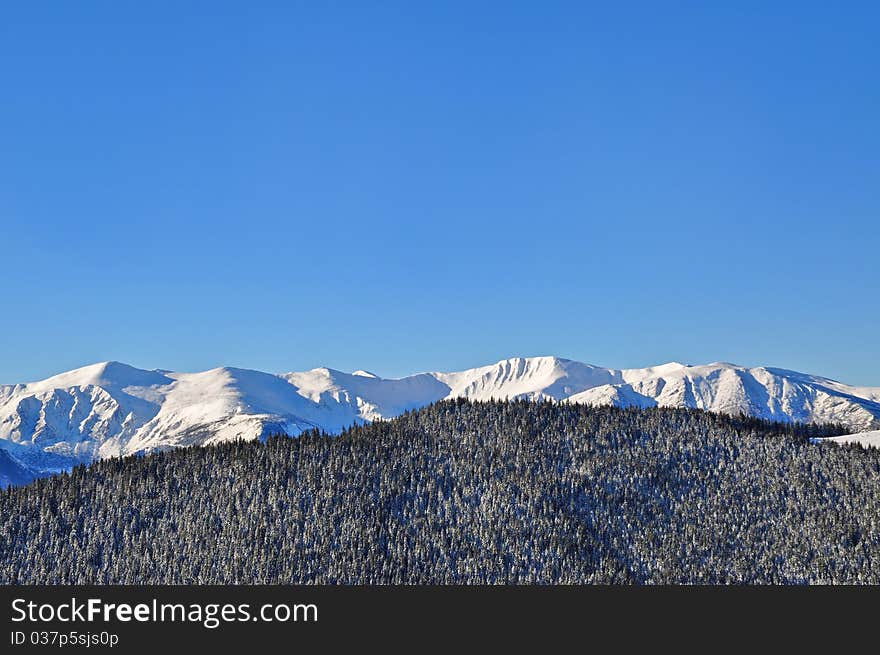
[464, 492]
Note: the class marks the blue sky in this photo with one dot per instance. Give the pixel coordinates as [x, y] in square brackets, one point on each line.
[402, 188]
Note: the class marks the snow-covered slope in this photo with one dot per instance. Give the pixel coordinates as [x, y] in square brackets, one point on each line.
[13, 472]
[864, 439]
[113, 409]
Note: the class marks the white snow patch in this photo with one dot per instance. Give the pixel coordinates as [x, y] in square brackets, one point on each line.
[864, 439]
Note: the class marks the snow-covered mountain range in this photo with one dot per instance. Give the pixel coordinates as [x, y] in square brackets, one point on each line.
[112, 409]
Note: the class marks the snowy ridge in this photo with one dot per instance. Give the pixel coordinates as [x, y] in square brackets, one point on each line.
[111, 409]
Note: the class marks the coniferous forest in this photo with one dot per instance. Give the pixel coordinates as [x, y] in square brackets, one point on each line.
[464, 492]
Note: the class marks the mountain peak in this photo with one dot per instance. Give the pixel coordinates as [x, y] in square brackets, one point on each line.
[103, 374]
[364, 374]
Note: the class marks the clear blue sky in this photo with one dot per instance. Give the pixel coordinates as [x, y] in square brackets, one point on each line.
[400, 188]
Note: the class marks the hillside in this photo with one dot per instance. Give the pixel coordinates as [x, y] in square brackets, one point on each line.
[463, 492]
